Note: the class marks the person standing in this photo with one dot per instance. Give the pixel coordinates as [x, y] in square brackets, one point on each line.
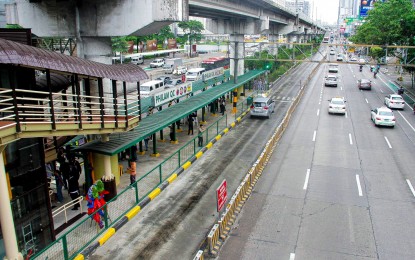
[190, 124]
[200, 135]
[132, 170]
[73, 188]
[222, 107]
[59, 184]
[146, 140]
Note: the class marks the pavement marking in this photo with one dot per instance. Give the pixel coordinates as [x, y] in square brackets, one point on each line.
[367, 100]
[410, 186]
[318, 112]
[292, 256]
[407, 121]
[381, 90]
[350, 138]
[314, 136]
[389, 144]
[307, 176]
[359, 188]
[341, 88]
[345, 114]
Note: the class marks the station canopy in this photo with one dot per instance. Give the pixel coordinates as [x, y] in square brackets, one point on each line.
[118, 142]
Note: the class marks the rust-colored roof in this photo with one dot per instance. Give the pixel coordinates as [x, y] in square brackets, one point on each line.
[25, 55]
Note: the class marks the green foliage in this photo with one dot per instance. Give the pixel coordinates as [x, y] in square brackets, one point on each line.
[192, 29]
[376, 53]
[13, 26]
[119, 44]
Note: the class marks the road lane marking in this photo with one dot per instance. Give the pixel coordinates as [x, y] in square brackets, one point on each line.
[359, 188]
[381, 90]
[341, 88]
[318, 112]
[292, 256]
[314, 136]
[410, 186]
[350, 138]
[345, 114]
[367, 100]
[407, 121]
[389, 144]
[307, 176]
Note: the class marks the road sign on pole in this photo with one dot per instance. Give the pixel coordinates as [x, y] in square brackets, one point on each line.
[221, 195]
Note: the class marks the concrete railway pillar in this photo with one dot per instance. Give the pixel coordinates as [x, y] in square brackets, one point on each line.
[236, 55]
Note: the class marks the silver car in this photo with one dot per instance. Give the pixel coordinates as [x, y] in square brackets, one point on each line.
[262, 107]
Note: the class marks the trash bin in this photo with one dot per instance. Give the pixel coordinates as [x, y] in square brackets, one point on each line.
[249, 101]
[111, 187]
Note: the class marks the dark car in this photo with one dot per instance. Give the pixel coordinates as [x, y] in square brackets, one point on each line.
[173, 82]
[164, 78]
[364, 84]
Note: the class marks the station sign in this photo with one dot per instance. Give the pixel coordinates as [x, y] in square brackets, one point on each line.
[173, 93]
[213, 73]
[221, 195]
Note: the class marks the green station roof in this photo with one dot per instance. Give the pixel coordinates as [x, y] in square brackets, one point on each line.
[118, 142]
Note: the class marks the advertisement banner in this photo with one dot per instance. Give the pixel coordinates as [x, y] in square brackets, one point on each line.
[365, 6]
[221, 195]
[213, 73]
[152, 45]
[172, 93]
[171, 44]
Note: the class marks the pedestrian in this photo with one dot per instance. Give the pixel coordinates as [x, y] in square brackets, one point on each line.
[73, 188]
[146, 140]
[190, 124]
[64, 169]
[178, 125]
[132, 170]
[59, 184]
[222, 107]
[171, 133]
[200, 135]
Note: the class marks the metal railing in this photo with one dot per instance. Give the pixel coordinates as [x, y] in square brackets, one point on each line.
[65, 207]
[86, 231]
[63, 111]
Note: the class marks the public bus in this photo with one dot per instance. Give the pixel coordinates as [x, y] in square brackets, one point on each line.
[216, 62]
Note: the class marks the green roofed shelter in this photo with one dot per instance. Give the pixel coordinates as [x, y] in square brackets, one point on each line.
[118, 142]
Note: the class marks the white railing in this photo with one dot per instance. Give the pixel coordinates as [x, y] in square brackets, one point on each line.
[66, 206]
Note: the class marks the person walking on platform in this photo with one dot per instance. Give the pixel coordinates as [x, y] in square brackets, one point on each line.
[200, 135]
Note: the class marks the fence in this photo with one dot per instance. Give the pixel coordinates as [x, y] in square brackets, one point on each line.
[81, 235]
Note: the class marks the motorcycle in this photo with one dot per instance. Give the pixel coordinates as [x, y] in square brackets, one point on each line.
[360, 68]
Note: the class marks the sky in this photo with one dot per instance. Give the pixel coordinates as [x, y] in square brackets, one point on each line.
[325, 10]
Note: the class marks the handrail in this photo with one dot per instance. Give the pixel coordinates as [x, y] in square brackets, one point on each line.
[64, 207]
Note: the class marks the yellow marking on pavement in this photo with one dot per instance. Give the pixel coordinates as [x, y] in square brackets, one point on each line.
[134, 211]
[226, 130]
[209, 145]
[199, 154]
[186, 165]
[79, 257]
[106, 236]
[172, 178]
[218, 137]
[154, 193]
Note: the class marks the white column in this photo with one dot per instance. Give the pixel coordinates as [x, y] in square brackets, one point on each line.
[107, 162]
[6, 217]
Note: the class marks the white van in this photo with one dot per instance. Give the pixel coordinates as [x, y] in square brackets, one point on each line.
[150, 87]
[137, 60]
[194, 74]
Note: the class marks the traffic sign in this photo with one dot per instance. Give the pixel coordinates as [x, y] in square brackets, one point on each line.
[221, 195]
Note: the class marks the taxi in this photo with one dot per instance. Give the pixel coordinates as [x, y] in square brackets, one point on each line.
[337, 105]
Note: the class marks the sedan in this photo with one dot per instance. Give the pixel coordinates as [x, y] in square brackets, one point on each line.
[330, 80]
[337, 105]
[394, 101]
[364, 84]
[173, 82]
[383, 116]
[164, 78]
[339, 58]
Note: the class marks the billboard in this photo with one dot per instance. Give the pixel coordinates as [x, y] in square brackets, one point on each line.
[172, 44]
[152, 45]
[365, 6]
[172, 93]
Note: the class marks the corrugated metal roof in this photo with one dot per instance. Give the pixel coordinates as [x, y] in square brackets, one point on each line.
[162, 119]
[24, 55]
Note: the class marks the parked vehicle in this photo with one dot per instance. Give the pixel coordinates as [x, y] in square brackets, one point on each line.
[157, 63]
[171, 64]
[194, 74]
[164, 78]
[137, 60]
[150, 87]
[180, 70]
[173, 82]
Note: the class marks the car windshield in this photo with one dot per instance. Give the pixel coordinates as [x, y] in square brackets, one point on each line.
[385, 113]
[397, 98]
[337, 102]
[191, 73]
[331, 78]
[259, 104]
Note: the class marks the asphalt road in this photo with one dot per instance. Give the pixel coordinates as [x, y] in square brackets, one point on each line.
[173, 225]
[337, 187]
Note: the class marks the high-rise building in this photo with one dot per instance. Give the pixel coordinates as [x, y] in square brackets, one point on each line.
[299, 6]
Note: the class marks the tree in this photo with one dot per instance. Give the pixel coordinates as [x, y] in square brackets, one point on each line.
[119, 44]
[193, 31]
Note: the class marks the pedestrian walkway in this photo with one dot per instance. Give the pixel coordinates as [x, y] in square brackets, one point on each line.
[146, 162]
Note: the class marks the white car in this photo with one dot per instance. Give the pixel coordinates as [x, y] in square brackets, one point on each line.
[333, 68]
[180, 70]
[362, 61]
[383, 116]
[337, 105]
[394, 101]
[339, 57]
[332, 52]
[157, 63]
[330, 80]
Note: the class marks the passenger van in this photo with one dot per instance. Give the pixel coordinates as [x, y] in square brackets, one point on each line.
[194, 74]
[262, 107]
[150, 87]
[137, 60]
